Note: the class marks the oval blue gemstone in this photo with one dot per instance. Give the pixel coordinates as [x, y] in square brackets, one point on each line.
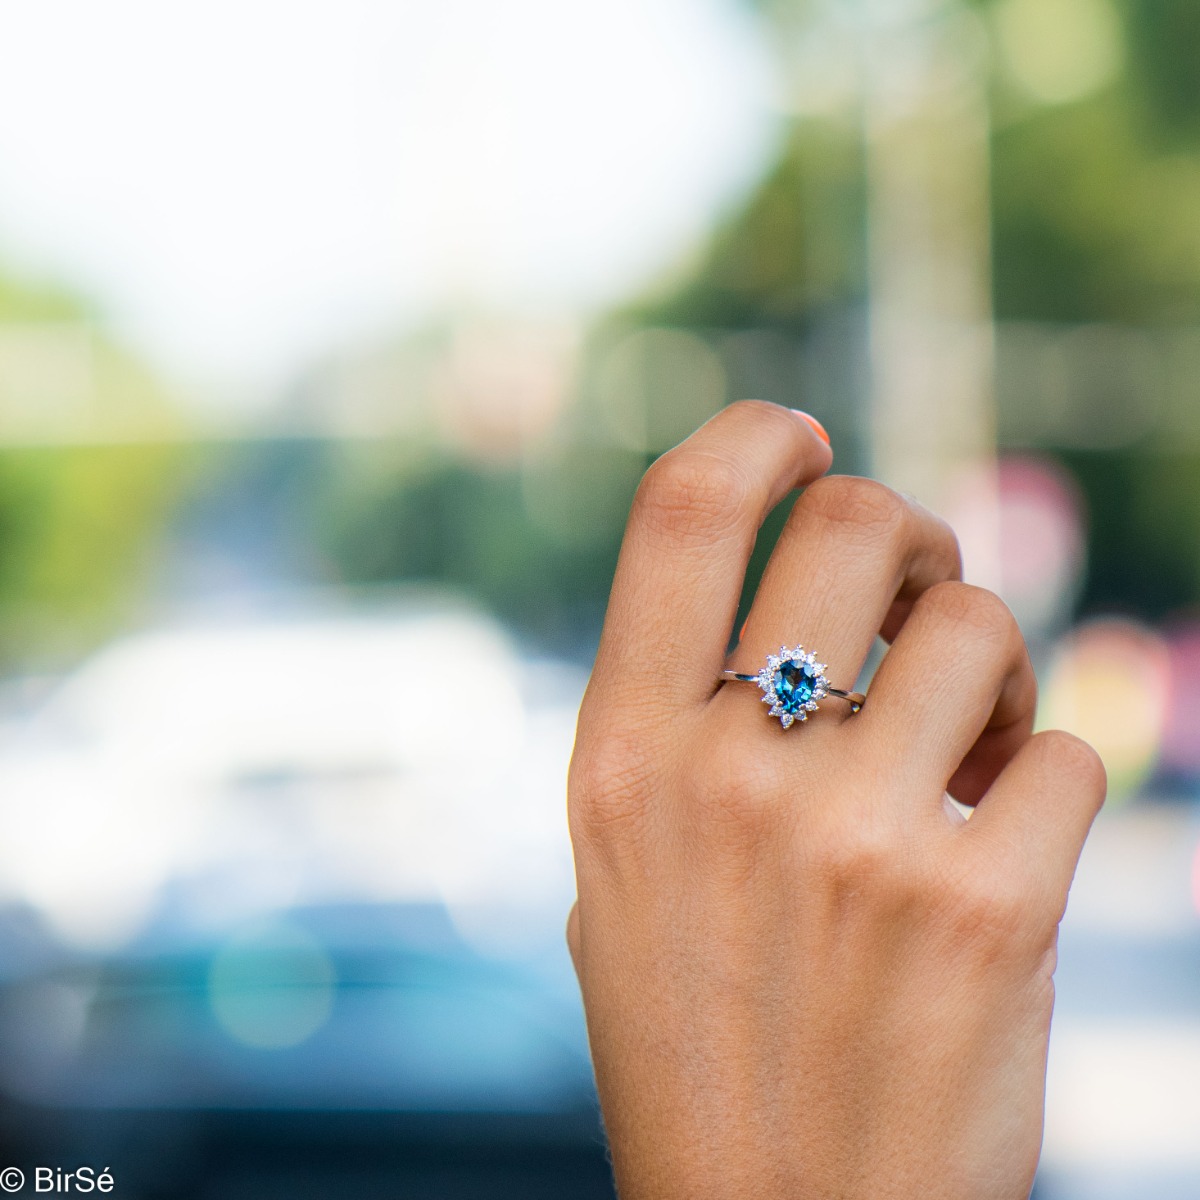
[794, 682]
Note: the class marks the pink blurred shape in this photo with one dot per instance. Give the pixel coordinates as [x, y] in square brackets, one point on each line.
[1181, 735]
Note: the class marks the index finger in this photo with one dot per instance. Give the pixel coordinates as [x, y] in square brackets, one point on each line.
[687, 543]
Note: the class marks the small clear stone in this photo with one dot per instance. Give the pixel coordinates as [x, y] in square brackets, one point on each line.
[776, 711]
[786, 720]
[811, 706]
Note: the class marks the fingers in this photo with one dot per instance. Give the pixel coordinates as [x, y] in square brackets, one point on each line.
[954, 698]
[1035, 818]
[686, 546]
[852, 559]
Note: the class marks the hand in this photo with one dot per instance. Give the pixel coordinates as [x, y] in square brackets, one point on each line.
[805, 975]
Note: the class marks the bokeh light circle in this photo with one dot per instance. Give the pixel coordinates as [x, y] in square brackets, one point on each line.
[271, 986]
[1109, 684]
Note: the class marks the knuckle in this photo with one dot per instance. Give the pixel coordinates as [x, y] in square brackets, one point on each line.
[864, 503]
[992, 906]
[688, 496]
[860, 854]
[605, 785]
[760, 411]
[975, 607]
[735, 796]
[1076, 759]
[943, 540]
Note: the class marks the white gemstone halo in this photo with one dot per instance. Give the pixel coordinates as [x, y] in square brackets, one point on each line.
[789, 702]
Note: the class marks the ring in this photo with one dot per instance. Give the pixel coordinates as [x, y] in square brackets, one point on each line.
[792, 682]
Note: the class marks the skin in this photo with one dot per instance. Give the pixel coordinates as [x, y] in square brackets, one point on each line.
[804, 974]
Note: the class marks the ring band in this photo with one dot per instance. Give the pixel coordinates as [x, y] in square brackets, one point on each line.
[792, 683]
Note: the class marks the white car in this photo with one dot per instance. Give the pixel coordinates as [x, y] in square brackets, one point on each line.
[232, 769]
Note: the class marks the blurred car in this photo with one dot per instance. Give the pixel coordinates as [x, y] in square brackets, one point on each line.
[282, 909]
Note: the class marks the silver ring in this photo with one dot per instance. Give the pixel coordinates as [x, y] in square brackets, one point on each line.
[793, 683]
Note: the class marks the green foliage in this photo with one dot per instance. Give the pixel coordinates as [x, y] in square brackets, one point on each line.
[25, 300]
[77, 520]
[1094, 219]
[1144, 519]
[796, 245]
[538, 547]
[1163, 39]
[75, 529]
[1094, 205]
[1091, 224]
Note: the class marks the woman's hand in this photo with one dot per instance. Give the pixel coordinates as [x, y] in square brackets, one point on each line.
[804, 977]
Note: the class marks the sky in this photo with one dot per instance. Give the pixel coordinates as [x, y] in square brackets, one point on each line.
[243, 185]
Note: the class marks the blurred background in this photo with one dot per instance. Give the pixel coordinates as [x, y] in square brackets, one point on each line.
[334, 339]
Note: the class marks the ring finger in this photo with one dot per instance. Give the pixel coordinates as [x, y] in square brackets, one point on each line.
[852, 560]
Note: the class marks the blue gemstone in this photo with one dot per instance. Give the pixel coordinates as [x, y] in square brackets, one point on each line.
[794, 682]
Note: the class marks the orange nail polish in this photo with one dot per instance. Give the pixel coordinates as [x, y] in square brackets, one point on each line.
[818, 428]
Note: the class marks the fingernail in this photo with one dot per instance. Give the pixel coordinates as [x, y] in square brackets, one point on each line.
[818, 428]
